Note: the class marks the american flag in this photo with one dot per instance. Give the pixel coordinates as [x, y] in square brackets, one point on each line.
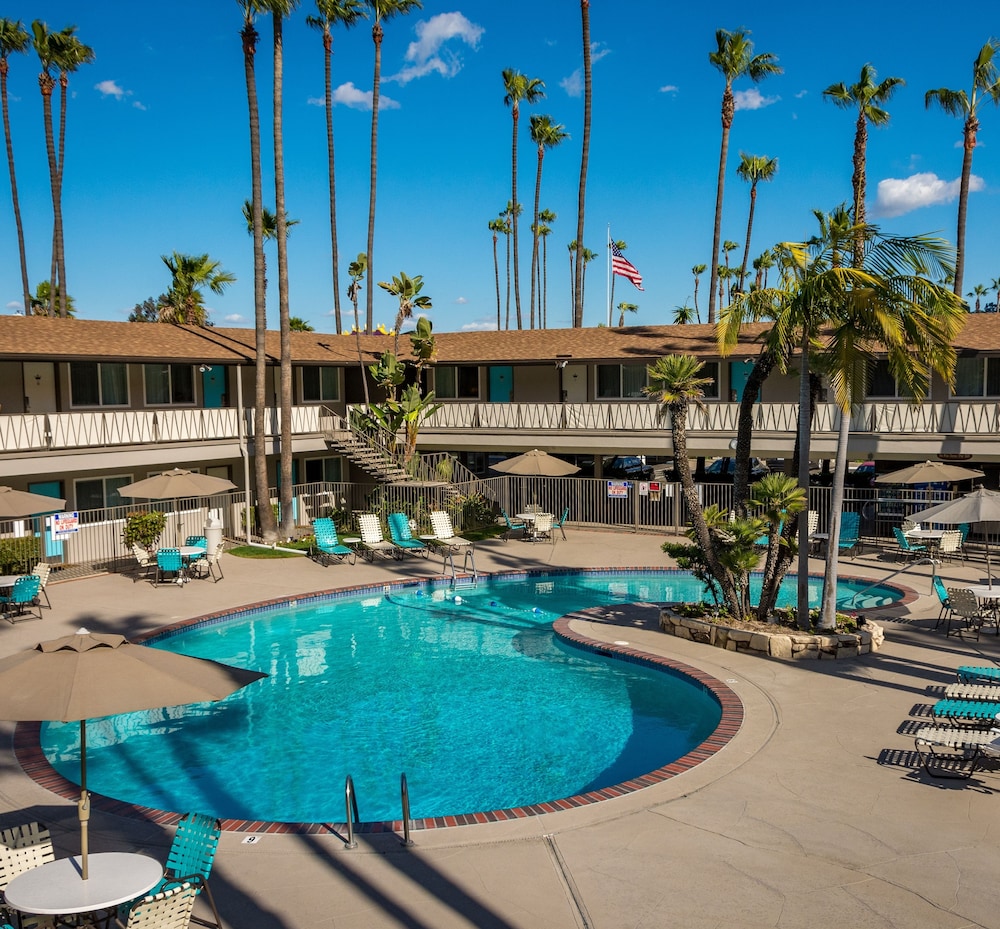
[621, 265]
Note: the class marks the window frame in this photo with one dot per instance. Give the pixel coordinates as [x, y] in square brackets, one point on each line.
[100, 384]
[335, 372]
[168, 368]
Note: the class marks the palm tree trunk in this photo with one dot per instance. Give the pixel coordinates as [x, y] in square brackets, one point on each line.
[507, 322]
[545, 283]
[584, 158]
[46, 83]
[281, 229]
[802, 581]
[828, 607]
[746, 247]
[971, 126]
[496, 274]
[534, 239]
[373, 166]
[727, 121]
[262, 492]
[25, 286]
[515, 212]
[60, 242]
[328, 98]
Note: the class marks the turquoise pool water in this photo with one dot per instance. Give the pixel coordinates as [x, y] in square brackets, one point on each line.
[470, 694]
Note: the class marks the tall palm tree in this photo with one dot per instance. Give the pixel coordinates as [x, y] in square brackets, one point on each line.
[995, 285]
[545, 134]
[496, 227]
[867, 97]
[71, 55]
[356, 271]
[46, 48]
[979, 291]
[13, 40]
[381, 10]
[332, 13]
[588, 256]
[517, 88]
[684, 315]
[584, 159]
[734, 58]
[624, 308]
[729, 246]
[761, 265]
[262, 493]
[189, 276]
[697, 271]
[753, 169]
[985, 86]
[508, 215]
[545, 218]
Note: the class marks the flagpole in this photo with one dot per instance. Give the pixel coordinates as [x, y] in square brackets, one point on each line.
[609, 275]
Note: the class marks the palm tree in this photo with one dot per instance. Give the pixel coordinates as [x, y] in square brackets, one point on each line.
[867, 97]
[621, 245]
[381, 10]
[979, 291]
[269, 226]
[727, 247]
[507, 215]
[995, 285]
[42, 300]
[356, 271]
[545, 134]
[265, 514]
[753, 169]
[697, 271]
[518, 87]
[778, 496]
[734, 57]
[190, 274]
[13, 40]
[546, 218]
[407, 290]
[985, 85]
[45, 47]
[70, 55]
[624, 308]
[761, 265]
[584, 158]
[331, 13]
[298, 324]
[588, 257]
[684, 315]
[496, 227]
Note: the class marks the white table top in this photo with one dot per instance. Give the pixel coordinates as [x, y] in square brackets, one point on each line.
[531, 517]
[57, 888]
[7, 580]
[925, 534]
[986, 592]
[188, 551]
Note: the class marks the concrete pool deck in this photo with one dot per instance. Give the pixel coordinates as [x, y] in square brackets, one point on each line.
[816, 814]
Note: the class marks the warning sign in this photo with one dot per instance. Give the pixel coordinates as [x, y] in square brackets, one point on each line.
[64, 525]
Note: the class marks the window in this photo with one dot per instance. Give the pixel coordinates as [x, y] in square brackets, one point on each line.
[977, 377]
[95, 383]
[456, 382]
[169, 384]
[100, 492]
[320, 384]
[620, 381]
[881, 382]
[324, 469]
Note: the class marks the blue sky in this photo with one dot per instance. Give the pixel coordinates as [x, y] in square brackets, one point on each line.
[157, 150]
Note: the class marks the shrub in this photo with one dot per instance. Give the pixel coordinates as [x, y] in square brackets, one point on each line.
[143, 529]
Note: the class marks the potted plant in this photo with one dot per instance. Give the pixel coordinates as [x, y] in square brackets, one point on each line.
[143, 529]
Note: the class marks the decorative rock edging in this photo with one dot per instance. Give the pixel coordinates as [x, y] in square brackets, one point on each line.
[786, 645]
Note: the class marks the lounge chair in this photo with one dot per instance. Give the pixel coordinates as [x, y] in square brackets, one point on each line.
[951, 752]
[907, 549]
[326, 546]
[988, 693]
[373, 540]
[975, 712]
[399, 532]
[849, 538]
[974, 674]
[449, 543]
[22, 599]
[512, 526]
[43, 569]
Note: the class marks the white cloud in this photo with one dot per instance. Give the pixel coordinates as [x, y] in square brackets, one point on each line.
[139, 106]
[670, 89]
[233, 318]
[752, 99]
[801, 94]
[479, 326]
[897, 196]
[357, 99]
[111, 89]
[429, 56]
[462, 301]
[573, 84]
[14, 305]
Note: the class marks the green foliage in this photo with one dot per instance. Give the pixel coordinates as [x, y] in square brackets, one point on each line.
[19, 555]
[144, 529]
[476, 510]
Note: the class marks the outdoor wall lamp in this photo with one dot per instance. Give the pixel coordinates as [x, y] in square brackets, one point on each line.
[204, 368]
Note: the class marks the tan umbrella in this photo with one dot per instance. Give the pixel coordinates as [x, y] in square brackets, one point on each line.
[86, 675]
[980, 506]
[536, 463]
[17, 503]
[929, 472]
[178, 482]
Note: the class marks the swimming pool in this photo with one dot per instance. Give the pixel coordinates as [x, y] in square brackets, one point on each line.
[470, 693]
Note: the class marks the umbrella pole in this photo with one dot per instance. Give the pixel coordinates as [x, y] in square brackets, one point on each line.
[83, 805]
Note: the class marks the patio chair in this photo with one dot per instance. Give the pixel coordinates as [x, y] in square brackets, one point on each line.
[22, 599]
[849, 538]
[206, 566]
[950, 544]
[43, 569]
[512, 526]
[942, 595]
[144, 560]
[444, 532]
[22, 848]
[168, 561]
[951, 752]
[980, 713]
[965, 606]
[201, 542]
[907, 549]
[326, 545]
[909, 526]
[190, 859]
[399, 532]
[542, 529]
[373, 539]
[560, 523]
[169, 908]
[964, 528]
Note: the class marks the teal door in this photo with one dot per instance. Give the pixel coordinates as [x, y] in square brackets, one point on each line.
[739, 373]
[501, 383]
[213, 385]
[53, 548]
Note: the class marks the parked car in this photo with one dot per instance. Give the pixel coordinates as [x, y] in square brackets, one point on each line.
[862, 476]
[722, 469]
[628, 467]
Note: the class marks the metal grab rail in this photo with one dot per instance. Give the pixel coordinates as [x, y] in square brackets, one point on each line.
[350, 805]
[405, 797]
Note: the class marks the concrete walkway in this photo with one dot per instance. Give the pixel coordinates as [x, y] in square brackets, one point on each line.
[816, 814]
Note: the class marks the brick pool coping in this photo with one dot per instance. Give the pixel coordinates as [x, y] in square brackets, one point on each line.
[27, 746]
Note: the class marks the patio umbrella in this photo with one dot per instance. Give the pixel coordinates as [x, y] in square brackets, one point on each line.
[929, 472]
[980, 506]
[178, 482]
[536, 463]
[16, 503]
[86, 675]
